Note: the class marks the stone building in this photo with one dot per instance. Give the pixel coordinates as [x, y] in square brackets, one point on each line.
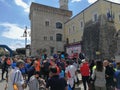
[47, 28]
[94, 30]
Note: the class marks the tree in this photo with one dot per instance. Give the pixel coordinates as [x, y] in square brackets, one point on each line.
[20, 51]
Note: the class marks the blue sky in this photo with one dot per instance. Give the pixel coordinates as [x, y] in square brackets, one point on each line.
[14, 16]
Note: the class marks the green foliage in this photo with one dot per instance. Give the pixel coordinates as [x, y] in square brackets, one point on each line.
[20, 51]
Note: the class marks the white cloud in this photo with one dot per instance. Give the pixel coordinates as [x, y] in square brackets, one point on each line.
[14, 34]
[75, 1]
[117, 1]
[13, 31]
[92, 1]
[24, 5]
[16, 45]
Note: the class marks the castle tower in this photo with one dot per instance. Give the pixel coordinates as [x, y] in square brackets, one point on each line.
[63, 4]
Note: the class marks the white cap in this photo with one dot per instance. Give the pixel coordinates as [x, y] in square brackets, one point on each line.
[83, 60]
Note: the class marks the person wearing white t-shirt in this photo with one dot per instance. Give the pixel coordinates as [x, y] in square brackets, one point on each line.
[70, 72]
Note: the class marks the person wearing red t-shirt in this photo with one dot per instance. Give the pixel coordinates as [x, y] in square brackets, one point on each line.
[85, 73]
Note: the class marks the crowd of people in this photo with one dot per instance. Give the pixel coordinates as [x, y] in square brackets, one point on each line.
[37, 73]
[59, 73]
[100, 74]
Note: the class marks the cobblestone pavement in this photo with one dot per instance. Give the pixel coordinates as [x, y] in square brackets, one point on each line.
[3, 83]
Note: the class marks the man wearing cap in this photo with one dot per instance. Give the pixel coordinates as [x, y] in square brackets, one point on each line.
[55, 82]
[85, 72]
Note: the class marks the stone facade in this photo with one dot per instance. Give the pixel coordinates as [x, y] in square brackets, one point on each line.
[96, 27]
[63, 4]
[47, 29]
[100, 37]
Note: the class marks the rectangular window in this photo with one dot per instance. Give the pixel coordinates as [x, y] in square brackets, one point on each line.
[81, 24]
[51, 50]
[51, 38]
[119, 18]
[59, 25]
[73, 28]
[45, 38]
[58, 37]
[95, 17]
[69, 31]
[46, 23]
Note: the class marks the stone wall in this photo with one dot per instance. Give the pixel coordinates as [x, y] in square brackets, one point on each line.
[91, 39]
[39, 15]
[99, 37]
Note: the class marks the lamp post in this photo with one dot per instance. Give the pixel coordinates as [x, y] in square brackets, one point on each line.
[25, 35]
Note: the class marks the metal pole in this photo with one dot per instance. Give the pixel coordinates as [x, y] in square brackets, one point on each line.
[25, 41]
[25, 33]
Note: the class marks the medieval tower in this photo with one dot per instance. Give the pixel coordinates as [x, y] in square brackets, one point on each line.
[63, 4]
[47, 28]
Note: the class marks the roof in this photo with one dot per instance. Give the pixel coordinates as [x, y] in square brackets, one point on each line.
[46, 8]
[91, 6]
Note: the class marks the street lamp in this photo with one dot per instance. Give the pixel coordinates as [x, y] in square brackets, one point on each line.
[25, 35]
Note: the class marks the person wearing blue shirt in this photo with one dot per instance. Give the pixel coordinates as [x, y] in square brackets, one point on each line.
[13, 65]
[117, 77]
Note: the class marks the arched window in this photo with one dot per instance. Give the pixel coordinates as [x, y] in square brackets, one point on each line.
[59, 25]
[58, 37]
